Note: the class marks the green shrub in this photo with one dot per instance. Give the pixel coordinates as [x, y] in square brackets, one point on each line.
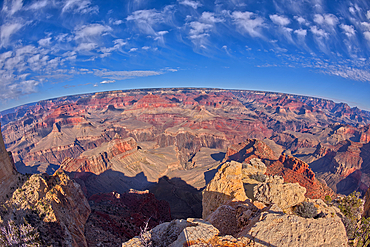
[328, 199]
[306, 210]
[259, 177]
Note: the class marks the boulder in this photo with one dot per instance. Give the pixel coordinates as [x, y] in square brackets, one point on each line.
[255, 166]
[274, 191]
[275, 228]
[225, 186]
[177, 233]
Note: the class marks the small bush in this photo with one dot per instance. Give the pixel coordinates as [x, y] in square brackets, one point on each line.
[23, 235]
[328, 199]
[259, 177]
[306, 210]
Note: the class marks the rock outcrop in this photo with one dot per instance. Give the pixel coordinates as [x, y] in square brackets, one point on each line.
[278, 229]
[54, 205]
[98, 160]
[226, 185]
[8, 171]
[276, 192]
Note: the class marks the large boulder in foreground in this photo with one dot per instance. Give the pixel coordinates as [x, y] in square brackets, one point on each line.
[278, 229]
[225, 186]
[275, 191]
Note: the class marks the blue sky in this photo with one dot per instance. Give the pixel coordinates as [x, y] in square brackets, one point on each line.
[51, 48]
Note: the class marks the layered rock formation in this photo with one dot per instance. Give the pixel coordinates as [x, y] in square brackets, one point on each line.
[292, 169]
[98, 160]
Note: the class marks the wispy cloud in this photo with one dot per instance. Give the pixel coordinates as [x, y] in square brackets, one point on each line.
[7, 30]
[248, 22]
[201, 29]
[79, 6]
[107, 81]
[123, 75]
[12, 6]
[147, 21]
[91, 31]
[193, 4]
[280, 20]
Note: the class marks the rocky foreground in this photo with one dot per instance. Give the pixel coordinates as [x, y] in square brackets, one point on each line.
[268, 218]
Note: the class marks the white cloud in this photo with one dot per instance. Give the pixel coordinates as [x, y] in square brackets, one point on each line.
[193, 4]
[326, 19]
[367, 35]
[366, 25]
[79, 6]
[318, 32]
[352, 10]
[146, 20]
[348, 30]
[199, 30]
[45, 41]
[7, 30]
[210, 18]
[122, 75]
[10, 7]
[279, 20]
[39, 5]
[162, 33]
[368, 14]
[92, 30]
[301, 32]
[145, 47]
[108, 81]
[133, 49]
[86, 46]
[248, 22]
[117, 22]
[119, 42]
[301, 20]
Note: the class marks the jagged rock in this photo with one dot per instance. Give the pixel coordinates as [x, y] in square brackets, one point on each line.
[7, 170]
[177, 233]
[297, 165]
[225, 186]
[278, 229]
[255, 166]
[366, 212]
[233, 215]
[276, 192]
[249, 149]
[54, 205]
